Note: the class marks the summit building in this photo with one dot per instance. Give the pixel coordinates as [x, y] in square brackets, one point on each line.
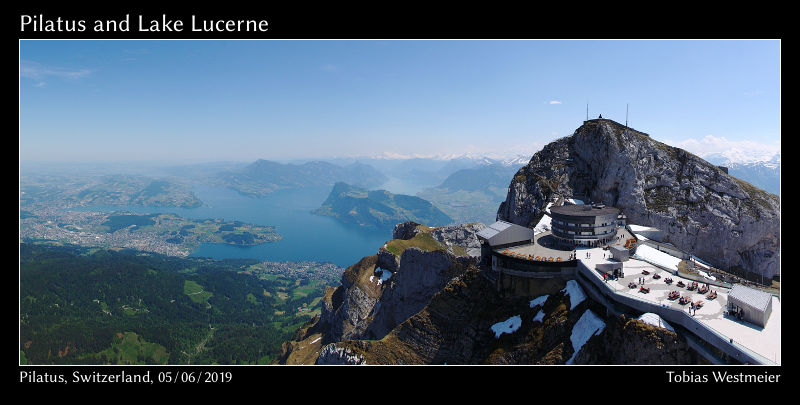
[584, 225]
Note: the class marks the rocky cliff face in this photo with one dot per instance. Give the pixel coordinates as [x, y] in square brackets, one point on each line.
[367, 306]
[460, 235]
[629, 341]
[723, 220]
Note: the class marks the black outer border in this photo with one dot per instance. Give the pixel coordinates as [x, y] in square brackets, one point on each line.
[404, 20]
[494, 382]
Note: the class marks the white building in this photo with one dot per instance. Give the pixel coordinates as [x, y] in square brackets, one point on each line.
[750, 305]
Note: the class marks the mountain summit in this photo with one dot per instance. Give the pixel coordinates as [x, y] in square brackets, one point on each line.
[702, 209]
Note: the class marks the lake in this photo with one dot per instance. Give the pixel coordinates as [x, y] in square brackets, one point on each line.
[305, 236]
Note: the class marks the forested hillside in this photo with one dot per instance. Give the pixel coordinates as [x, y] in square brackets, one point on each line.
[82, 306]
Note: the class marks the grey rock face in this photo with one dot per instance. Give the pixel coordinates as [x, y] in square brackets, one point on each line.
[344, 314]
[460, 235]
[334, 355]
[405, 230]
[723, 220]
[349, 319]
[327, 314]
[387, 260]
[364, 309]
[363, 315]
[421, 274]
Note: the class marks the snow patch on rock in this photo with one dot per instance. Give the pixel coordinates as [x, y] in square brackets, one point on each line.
[575, 292]
[539, 300]
[655, 320]
[586, 327]
[510, 325]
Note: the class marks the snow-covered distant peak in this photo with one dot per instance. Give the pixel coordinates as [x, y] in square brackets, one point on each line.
[716, 158]
[738, 156]
[491, 158]
[485, 158]
[776, 158]
[516, 161]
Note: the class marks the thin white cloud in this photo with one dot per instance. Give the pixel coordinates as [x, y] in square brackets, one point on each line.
[555, 102]
[37, 71]
[738, 151]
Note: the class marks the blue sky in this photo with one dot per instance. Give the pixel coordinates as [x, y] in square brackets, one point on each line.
[243, 100]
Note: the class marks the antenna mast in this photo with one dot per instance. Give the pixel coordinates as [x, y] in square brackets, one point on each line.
[626, 115]
[587, 110]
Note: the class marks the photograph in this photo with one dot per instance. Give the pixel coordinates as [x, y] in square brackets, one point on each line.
[393, 202]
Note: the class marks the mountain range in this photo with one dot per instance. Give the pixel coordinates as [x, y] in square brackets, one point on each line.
[472, 194]
[764, 174]
[263, 176]
[467, 188]
[430, 171]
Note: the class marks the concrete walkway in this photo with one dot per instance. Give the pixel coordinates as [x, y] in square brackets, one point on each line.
[538, 249]
[542, 240]
[764, 341]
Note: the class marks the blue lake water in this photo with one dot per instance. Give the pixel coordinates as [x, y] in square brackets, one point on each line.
[305, 236]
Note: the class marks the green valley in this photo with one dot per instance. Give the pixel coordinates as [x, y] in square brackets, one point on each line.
[263, 177]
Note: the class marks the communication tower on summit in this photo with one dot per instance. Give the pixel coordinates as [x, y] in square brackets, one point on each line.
[626, 115]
